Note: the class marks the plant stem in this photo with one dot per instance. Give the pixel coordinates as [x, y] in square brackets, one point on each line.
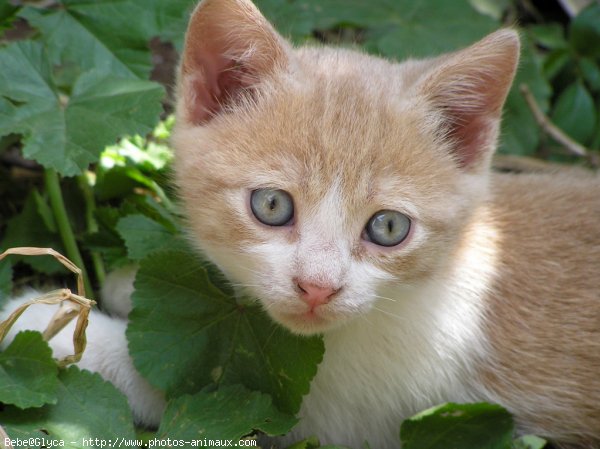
[550, 128]
[92, 225]
[57, 203]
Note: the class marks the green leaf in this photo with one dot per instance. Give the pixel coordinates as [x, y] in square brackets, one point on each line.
[7, 15]
[551, 36]
[520, 133]
[143, 236]
[398, 28]
[107, 240]
[574, 112]
[459, 426]
[584, 32]
[5, 280]
[107, 37]
[591, 73]
[62, 27]
[27, 229]
[63, 132]
[416, 29]
[314, 443]
[88, 407]
[529, 442]
[492, 8]
[311, 442]
[556, 61]
[134, 162]
[185, 332]
[28, 374]
[229, 413]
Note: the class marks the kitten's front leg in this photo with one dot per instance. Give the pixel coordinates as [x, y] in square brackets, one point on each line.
[106, 354]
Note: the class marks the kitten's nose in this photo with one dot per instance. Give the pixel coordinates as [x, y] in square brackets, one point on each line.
[315, 295]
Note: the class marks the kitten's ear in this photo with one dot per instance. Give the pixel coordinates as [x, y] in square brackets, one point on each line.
[229, 47]
[469, 88]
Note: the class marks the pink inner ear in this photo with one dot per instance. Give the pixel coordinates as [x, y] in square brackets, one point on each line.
[471, 136]
[469, 88]
[223, 82]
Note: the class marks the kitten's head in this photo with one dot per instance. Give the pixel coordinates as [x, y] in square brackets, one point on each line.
[316, 177]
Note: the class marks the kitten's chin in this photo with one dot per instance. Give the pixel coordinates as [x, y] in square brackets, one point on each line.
[306, 323]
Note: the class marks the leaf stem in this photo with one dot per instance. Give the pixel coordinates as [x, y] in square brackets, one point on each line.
[65, 230]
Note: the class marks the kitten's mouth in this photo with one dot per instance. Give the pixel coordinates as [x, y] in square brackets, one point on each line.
[307, 322]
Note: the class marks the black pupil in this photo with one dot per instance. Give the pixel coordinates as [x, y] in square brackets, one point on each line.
[273, 203]
[390, 226]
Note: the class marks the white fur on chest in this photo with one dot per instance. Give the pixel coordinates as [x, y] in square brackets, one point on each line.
[406, 355]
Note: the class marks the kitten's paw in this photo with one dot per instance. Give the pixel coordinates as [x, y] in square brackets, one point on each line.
[106, 352]
[117, 290]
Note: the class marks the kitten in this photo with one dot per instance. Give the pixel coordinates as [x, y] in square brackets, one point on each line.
[353, 197]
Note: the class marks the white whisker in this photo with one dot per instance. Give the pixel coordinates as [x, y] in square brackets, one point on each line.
[385, 297]
[250, 270]
[244, 285]
[401, 318]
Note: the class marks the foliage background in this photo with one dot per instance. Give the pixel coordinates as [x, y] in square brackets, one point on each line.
[85, 98]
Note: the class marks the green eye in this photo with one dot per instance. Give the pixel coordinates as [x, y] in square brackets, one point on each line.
[388, 228]
[272, 207]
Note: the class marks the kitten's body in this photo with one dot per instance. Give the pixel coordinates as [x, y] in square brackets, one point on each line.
[491, 296]
[543, 312]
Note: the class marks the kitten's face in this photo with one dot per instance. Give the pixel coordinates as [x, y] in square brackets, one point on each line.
[318, 178]
[344, 147]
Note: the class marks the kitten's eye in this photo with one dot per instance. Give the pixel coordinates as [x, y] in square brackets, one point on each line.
[388, 228]
[272, 207]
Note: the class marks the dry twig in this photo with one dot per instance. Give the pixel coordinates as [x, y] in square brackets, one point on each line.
[5, 440]
[71, 305]
[550, 128]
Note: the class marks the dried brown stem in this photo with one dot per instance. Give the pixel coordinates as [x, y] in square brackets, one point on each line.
[550, 128]
[71, 305]
[32, 251]
[5, 440]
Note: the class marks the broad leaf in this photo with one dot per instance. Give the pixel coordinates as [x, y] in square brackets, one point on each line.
[7, 15]
[555, 62]
[458, 426]
[550, 36]
[143, 236]
[520, 132]
[591, 73]
[398, 28]
[87, 408]
[111, 36]
[185, 332]
[63, 132]
[575, 113]
[584, 32]
[493, 8]
[226, 414]
[28, 373]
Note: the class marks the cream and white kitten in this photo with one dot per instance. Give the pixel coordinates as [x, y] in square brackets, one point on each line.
[353, 196]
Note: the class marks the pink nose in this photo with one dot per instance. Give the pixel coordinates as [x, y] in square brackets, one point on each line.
[315, 295]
